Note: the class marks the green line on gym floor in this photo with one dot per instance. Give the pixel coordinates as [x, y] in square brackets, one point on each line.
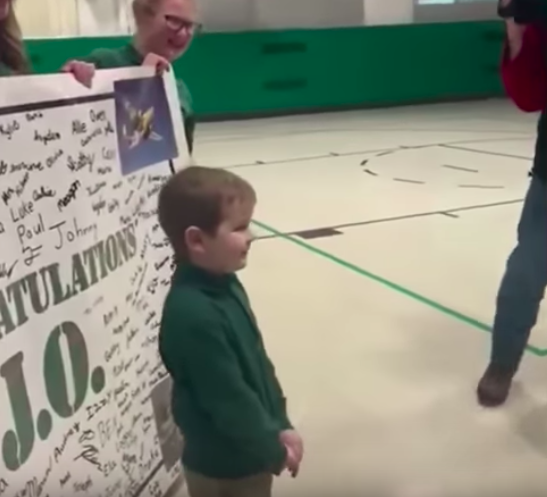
[389, 284]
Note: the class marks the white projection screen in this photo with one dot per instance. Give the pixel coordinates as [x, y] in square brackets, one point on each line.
[426, 11]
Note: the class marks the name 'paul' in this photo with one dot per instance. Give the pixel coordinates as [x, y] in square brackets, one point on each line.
[52, 285]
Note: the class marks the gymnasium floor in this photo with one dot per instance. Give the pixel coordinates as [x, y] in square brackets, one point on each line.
[382, 236]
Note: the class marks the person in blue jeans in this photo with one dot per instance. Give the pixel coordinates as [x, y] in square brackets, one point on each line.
[524, 73]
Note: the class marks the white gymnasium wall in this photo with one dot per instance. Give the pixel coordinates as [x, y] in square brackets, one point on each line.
[236, 15]
[104, 17]
[47, 18]
[454, 10]
[61, 18]
[382, 12]
[50, 18]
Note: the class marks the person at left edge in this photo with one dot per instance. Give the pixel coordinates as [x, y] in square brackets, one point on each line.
[164, 30]
[13, 59]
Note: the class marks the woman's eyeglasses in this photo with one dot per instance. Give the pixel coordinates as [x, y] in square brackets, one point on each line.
[178, 24]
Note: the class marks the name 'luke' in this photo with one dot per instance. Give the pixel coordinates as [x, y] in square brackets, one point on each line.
[50, 286]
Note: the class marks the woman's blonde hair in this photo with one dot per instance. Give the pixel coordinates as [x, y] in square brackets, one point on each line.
[145, 8]
[12, 51]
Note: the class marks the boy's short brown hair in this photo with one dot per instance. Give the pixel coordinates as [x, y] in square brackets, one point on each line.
[198, 196]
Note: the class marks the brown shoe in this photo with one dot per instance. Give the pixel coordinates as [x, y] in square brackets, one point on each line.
[494, 386]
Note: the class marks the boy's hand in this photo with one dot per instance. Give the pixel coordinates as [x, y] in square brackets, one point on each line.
[292, 463]
[292, 439]
[295, 449]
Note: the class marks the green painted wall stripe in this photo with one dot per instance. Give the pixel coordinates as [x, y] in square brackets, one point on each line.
[265, 72]
[390, 284]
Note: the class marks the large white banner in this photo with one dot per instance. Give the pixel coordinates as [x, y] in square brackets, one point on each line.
[84, 267]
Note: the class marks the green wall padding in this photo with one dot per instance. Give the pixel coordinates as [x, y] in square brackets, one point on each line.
[286, 71]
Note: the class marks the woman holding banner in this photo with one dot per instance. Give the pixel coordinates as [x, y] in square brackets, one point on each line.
[164, 30]
[13, 59]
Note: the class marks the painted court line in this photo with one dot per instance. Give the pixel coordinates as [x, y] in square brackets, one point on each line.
[452, 212]
[539, 352]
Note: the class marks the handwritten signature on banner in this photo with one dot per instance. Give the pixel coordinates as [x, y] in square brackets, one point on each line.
[78, 234]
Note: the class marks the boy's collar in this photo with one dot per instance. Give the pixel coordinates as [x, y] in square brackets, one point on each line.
[186, 272]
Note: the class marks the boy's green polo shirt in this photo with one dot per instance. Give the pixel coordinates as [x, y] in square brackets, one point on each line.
[227, 400]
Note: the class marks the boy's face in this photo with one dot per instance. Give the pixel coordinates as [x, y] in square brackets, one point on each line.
[226, 251]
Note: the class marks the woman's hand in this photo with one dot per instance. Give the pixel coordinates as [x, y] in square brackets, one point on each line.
[161, 64]
[83, 72]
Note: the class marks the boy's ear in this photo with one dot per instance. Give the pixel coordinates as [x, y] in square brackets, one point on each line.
[193, 239]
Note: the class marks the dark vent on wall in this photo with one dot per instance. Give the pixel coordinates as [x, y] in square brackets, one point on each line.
[285, 84]
[278, 48]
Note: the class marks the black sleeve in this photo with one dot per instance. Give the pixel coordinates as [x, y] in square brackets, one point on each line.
[529, 11]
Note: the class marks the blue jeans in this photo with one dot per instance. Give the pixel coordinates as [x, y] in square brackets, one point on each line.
[523, 285]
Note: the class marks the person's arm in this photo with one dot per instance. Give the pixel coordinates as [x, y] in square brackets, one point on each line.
[83, 69]
[102, 58]
[188, 116]
[5, 70]
[524, 67]
[189, 130]
[214, 375]
[530, 11]
[281, 400]
[285, 420]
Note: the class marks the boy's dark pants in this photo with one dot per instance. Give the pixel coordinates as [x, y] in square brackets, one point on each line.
[253, 486]
[523, 285]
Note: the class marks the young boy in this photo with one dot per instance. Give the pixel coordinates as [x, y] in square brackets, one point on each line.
[226, 400]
